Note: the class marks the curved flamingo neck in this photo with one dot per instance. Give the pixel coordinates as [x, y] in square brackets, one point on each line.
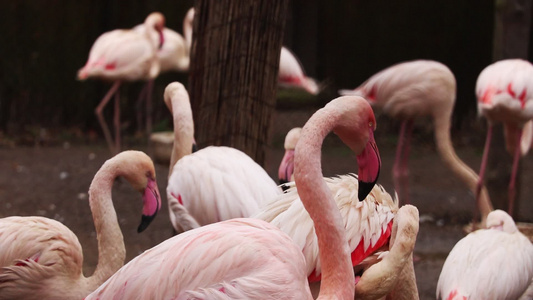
[111, 249]
[183, 127]
[187, 28]
[337, 273]
[458, 167]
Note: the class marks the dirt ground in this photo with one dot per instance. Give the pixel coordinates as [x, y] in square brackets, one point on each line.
[53, 181]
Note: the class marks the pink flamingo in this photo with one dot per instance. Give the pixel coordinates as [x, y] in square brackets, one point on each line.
[286, 167]
[41, 258]
[124, 54]
[414, 89]
[249, 258]
[212, 184]
[503, 90]
[492, 263]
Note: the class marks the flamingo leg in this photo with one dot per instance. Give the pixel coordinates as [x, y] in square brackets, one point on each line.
[514, 171]
[150, 87]
[117, 122]
[482, 172]
[142, 95]
[398, 171]
[405, 159]
[98, 111]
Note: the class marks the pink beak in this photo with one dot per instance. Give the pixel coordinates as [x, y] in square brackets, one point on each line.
[369, 163]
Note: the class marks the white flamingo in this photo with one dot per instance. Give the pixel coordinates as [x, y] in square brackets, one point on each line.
[504, 92]
[212, 184]
[492, 263]
[124, 55]
[41, 258]
[414, 89]
[249, 258]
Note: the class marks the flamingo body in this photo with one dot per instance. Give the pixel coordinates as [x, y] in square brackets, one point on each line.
[41, 258]
[492, 263]
[173, 54]
[367, 223]
[212, 184]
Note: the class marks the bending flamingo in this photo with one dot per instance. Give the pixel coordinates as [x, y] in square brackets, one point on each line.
[124, 55]
[249, 258]
[410, 90]
[41, 258]
[286, 167]
[504, 91]
[212, 184]
[492, 263]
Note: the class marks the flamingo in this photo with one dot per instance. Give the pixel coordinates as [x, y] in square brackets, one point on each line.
[41, 258]
[503, 90]
[212, 184]
[492, 263]
[124, 55]
[252, 259]
[286, 167]
[414, 89]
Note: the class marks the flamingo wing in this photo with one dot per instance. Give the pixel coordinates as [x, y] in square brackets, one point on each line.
[487, 264]
[368, 223]
[219, 183]
[235, 259]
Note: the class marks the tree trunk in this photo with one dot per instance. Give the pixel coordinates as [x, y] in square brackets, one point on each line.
[233, 74]
[511, 40]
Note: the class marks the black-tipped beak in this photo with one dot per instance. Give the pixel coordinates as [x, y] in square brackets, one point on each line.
[145, 221]
[364, 189]
[194, 147]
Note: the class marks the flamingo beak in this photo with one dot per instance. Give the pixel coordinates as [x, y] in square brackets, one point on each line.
[369, 163]
[161, 39]
[151, 204]
[286, 167]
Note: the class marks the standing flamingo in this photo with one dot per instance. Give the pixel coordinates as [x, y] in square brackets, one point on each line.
[286, 167]
[492, 263]
[504, 91]
[249, 258]
[124, 54]
[41, 258]
[414, 89]
[212, 184]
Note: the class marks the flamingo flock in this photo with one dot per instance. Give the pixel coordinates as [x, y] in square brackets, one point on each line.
[242, 236]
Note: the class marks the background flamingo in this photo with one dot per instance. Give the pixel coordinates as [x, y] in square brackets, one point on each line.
[414, 89]
[251, 259]
[503, 90]
[124, 55]
[286, 167]
[41, 258]
[212, 184]
[492, 263]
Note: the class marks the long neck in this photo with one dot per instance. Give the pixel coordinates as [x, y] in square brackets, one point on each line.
[337, 273]
[183, 130]
[461, 170]
[111, 249]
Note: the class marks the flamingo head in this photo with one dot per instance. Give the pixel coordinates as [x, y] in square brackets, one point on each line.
[286, 167]
[156, 20]
[502, 221]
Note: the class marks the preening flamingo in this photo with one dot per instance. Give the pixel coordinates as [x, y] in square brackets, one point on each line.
[212, 184]
[286, 167]
[414, 89]
[504, 92]
[492, 263]
[41, 258]
[249, 258]
[124, 55]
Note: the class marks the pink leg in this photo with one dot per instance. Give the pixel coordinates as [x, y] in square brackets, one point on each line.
[398, 172]
[117, 122]
[514, 171]
[138, 106]
[405, 160]
[482, 172]
[101, 120]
